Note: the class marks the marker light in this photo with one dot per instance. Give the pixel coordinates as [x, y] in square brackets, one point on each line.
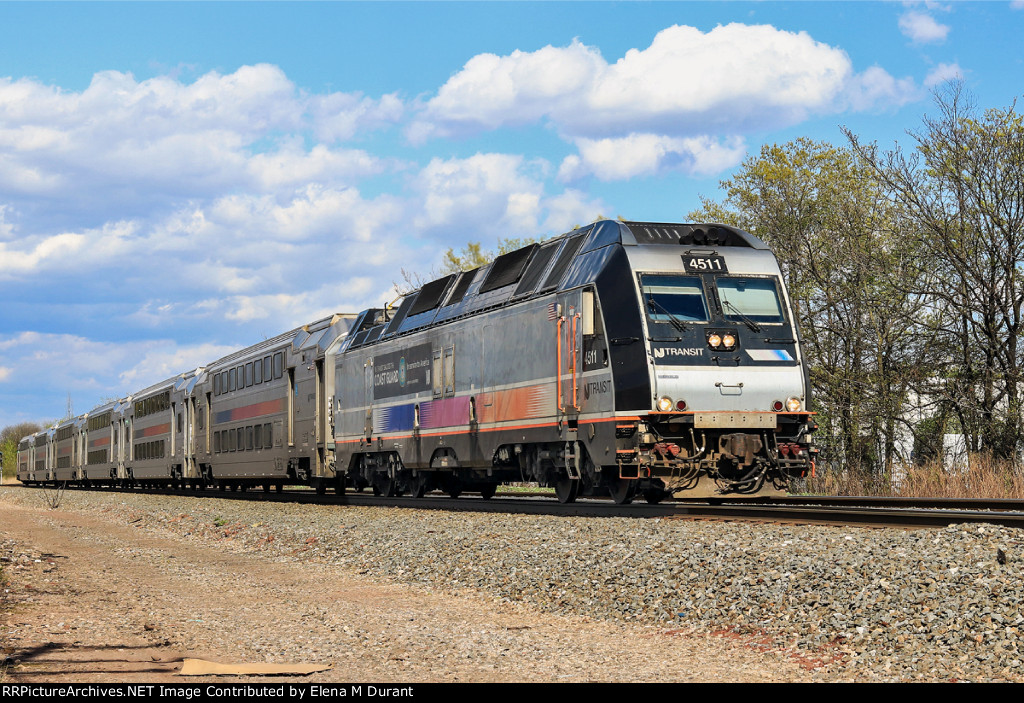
[680, 405]
[715, 341]
[793, 404]
[728, 341]
[777, 406]
[664, 404]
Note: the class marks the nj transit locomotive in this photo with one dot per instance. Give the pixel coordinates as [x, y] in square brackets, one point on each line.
[619, 358]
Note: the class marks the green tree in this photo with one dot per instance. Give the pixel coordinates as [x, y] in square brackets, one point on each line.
[837, 239]
[9, 438]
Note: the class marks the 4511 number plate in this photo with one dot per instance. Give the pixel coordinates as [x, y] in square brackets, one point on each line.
[704, 264]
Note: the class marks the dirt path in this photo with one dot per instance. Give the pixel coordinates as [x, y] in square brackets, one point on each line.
[93, 599]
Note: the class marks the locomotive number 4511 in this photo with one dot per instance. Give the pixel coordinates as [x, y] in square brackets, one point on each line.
[705, 264]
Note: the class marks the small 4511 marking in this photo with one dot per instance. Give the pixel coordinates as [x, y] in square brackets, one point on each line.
[705, 264]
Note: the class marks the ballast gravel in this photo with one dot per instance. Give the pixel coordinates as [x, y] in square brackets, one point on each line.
[852, 603]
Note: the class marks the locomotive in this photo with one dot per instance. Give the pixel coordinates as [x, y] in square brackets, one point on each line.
[620, 358]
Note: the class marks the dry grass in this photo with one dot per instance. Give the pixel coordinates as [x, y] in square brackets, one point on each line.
[984, 477]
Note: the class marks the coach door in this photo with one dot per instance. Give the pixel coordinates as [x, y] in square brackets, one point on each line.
[189, 440]
[319, 418]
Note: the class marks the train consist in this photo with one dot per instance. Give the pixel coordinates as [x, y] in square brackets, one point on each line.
[621, 358]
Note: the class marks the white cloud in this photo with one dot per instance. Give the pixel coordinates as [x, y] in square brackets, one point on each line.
[490, 194]
[150, 142]
[571, 208]
[921, 28]
[341, 116]
[89, 369]
[683, 103]
[291, 165]
[644, 154]
[157, 360]
[942, 73]
[875, 87]
[5, 373]
[732, 79]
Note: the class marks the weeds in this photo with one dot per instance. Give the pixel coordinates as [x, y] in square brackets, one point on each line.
[55, 496]
[982, 477]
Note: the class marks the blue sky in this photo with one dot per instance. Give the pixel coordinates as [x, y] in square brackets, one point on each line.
[179, 180]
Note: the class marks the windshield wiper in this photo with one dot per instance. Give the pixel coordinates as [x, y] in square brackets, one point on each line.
[679, 324]
[746, 320]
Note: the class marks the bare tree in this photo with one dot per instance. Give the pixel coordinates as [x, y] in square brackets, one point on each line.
[963, 188]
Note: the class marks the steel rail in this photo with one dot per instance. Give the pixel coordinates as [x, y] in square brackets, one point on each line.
[788, 510]
[867, 501]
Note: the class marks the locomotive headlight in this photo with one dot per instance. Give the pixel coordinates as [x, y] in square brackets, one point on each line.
[793, 404]
[728, 341]
[715, 341]
[664, 404]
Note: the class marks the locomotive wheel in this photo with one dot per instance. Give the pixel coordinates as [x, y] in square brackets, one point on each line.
[419, 486]
[622, 491]
[383, 486]
[566, 489]
[488, 490]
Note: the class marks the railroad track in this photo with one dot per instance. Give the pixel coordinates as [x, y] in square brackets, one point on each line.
[807, 510]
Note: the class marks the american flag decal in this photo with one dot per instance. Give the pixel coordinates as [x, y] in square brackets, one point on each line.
[552, 313]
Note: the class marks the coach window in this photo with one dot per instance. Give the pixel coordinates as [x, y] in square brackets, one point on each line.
[216, 384]
[268, 437]
[278, 365]
[257, 371]
[248, 438]
[257, 441]
[216, 442]
[268, 369]
[248, 374]
[241, 438]
[231, 379]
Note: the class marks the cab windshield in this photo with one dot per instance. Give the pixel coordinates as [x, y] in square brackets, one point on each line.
[670, 299]
[756, 299]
